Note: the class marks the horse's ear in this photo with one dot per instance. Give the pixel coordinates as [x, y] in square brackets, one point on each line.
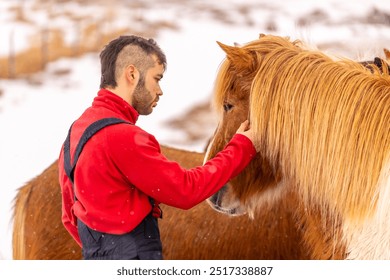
[231, 52]
[387, 53]
[238, 56]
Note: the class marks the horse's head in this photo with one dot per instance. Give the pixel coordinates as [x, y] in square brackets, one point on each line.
[231, 99]
[269, 81]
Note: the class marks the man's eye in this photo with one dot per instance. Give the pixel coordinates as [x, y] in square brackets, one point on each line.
[227, 107]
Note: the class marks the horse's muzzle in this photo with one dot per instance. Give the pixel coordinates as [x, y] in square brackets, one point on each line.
[216, 202]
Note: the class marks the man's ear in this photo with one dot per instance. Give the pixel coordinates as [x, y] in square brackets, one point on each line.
[131, 73]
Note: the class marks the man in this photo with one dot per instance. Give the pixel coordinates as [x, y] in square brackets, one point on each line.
[111, 204]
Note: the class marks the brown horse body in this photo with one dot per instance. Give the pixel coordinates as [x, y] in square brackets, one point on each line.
[198, 233]
[324, 135]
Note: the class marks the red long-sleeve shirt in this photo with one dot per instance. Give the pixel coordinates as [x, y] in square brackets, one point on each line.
[121, 166]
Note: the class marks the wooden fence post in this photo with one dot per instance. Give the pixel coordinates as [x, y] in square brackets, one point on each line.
[11, 56]
[44, 47]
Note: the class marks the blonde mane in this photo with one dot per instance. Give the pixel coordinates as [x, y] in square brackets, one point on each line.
[324, 124]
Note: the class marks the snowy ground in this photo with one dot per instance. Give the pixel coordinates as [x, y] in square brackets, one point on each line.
[35, 113]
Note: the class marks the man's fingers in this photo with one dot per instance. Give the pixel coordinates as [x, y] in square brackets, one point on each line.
[244, 126]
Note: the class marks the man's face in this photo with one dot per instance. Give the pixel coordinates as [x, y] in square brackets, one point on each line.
[148, 90]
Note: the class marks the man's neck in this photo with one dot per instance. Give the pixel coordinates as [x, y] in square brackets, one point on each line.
[121, 93]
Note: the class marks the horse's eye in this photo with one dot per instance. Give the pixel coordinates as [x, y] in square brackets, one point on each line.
[227, 107]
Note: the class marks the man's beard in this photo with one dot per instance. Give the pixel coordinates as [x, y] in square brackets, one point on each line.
[142, 99]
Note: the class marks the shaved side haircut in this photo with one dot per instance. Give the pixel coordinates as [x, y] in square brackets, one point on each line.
[126, 50]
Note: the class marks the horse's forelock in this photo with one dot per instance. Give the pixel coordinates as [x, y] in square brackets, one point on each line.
[222, 83]
[243, 61]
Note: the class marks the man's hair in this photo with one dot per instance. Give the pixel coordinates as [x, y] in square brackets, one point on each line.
[126, 50]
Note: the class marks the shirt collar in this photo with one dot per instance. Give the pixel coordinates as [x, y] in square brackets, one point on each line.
[117, 104]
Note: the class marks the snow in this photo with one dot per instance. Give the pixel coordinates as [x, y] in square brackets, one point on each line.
[35, 113]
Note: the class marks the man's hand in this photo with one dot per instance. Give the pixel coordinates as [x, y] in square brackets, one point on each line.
[245, 129]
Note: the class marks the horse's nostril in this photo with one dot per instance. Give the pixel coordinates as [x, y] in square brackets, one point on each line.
[213, 199]
[216, 199]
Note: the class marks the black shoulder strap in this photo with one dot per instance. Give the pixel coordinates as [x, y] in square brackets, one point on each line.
[88, 133]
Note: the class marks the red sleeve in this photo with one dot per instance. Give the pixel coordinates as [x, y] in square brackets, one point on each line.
[141, 162]
[68, 218]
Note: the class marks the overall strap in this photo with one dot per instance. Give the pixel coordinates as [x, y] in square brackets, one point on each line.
[88, 133]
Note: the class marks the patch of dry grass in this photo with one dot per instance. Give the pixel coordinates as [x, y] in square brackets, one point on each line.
[48, 45]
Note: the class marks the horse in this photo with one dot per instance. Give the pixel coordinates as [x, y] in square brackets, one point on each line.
[322, 126]
[198, 233]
